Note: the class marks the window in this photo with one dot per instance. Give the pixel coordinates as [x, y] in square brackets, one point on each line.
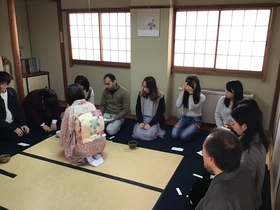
[223, 40]
[101, 38]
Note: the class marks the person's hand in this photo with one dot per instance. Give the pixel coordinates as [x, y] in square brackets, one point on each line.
[141, 125]
[111, 120]
[53, 126]
[18, 131]
[188, 88]
[147, 127]
[46, 128]
[177, 125]
[184, 87]
[25, 129]
[228, 126]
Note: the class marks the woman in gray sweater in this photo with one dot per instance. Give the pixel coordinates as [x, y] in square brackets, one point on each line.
[247, 123]
[233, 94]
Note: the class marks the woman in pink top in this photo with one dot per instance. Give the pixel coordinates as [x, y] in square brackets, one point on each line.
[82, 136]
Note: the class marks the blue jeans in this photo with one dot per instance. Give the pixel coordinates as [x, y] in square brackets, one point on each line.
[189, 126]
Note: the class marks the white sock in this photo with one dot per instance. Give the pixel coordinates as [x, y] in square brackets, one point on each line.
[93, 161]
[99, 158]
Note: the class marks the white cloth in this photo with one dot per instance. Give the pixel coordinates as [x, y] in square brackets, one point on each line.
[9, 116]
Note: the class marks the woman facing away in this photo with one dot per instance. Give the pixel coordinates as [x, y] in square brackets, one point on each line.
[192, 99]
[83, 82]
[82, 136]
[233, 94]
[247, 123]
[150, 108]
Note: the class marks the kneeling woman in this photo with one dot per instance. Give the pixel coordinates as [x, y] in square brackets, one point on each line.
[82, 136]
[150, 108]
[192, 99]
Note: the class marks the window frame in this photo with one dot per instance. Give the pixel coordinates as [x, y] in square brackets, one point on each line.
[224, 72]
[88, 62]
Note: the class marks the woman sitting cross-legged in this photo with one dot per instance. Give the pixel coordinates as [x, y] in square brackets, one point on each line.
[82, 136]
[150, 108]
[192, 99]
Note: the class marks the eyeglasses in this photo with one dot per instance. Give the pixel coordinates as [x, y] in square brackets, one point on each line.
[144, 86]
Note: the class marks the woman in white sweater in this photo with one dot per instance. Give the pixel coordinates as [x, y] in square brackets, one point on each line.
[233, 94]
[192, 99]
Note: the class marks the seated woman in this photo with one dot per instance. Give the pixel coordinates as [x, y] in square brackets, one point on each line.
[150, 108]
[12, 120]
[42, 110]
[247, 123]
[233, 94]
[83, 82]
[192, 99]
[82, 136]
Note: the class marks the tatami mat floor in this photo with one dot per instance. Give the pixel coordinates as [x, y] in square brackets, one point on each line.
[44, 179]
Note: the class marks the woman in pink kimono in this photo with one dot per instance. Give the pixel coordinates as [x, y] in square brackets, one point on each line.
[82, 136]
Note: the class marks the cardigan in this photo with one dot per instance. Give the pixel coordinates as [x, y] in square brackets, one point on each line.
[158, 110]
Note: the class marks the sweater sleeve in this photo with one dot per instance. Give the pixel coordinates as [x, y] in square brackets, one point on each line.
[179, 101]
[192, 105]
[160, 112]
[218, 114]
[126, 106]
[103, 102]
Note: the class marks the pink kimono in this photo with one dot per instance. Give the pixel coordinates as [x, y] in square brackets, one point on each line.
[76, 149]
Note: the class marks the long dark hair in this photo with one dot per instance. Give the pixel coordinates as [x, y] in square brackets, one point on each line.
[235, 87]
[82, 80]
[251, 102]
[152, 86]
[191, 79]
[73, 93]
[245, 114]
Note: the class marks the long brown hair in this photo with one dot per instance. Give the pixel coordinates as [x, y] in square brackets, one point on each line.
[152, 86]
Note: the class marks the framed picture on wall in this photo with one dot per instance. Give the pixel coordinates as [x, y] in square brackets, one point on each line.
[148, 22]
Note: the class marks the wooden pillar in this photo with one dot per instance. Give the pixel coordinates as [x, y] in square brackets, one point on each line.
[62, 47]
[15, 48]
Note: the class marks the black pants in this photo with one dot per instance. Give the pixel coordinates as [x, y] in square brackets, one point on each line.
[10, 135]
